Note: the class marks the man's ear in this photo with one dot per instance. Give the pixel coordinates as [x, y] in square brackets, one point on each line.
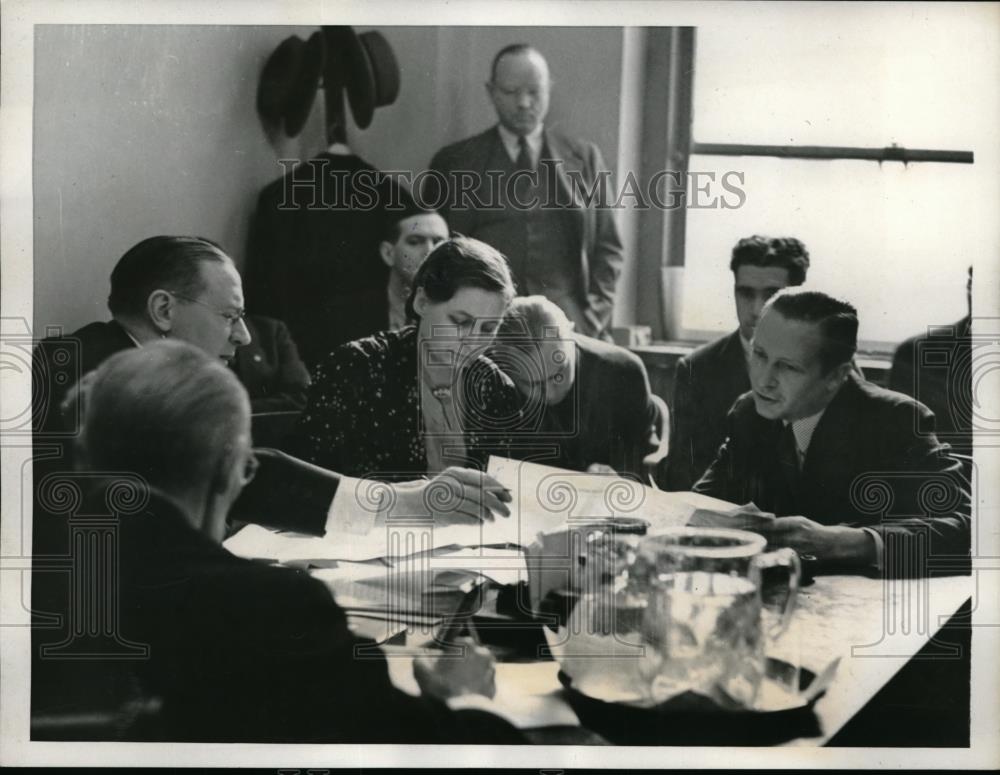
[385, 250]
[160, 309]
[839, 374]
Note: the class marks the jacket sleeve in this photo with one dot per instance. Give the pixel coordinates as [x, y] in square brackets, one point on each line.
[634, 438]
[721, 479]
[680, 459]
[604, 259]
[286, 493]
[922, 502]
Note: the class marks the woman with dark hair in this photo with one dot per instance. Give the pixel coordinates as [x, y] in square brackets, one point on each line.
[424, 398]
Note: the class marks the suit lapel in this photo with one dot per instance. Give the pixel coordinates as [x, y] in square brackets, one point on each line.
[831, 447]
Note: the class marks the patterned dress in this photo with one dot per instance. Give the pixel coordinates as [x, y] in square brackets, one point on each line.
[364, 416]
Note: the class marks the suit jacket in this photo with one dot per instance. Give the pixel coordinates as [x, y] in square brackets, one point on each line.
[312, 261]
[270, 368]
[608, 416]
[945, 385]
[245, 652]
[286, 492]
[706, 384]
[601, 254]
[866, 466]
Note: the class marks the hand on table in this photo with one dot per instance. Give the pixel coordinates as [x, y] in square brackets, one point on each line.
[827, 543]
[455, 496]
[471, 672]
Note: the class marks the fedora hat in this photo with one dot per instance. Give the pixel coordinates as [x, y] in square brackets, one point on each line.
[367, 67]
[289, 81]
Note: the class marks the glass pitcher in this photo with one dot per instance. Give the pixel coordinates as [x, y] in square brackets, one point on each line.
[674, 612]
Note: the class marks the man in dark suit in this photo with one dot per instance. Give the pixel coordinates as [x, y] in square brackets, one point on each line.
[531, 196]
[708, 380]
[270, 368]
[183, 288]
[188, 288]
[936, 369]
[836, 459]
[591, 399]
[239, 651]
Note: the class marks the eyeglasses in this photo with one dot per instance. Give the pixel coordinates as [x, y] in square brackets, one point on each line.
[233, 317]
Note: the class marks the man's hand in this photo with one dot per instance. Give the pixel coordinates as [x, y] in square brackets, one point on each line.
[471, 672]
[601, 468]
[827, 543]
[455, 496]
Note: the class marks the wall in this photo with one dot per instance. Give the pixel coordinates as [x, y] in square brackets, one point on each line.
[140, 131]
[143, 130]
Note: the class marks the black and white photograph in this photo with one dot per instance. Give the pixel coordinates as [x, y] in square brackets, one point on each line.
[547, 385]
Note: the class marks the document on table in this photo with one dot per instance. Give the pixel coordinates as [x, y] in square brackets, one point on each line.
[543, 499]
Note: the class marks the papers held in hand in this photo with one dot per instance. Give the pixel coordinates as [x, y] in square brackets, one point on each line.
[747, 517]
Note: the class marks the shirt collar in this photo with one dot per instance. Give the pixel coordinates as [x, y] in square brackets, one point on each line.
[339, 149]
[511, 145]
[745, 344]
[804, 430]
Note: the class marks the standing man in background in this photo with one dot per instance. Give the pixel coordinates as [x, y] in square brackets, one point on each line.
[536, 195]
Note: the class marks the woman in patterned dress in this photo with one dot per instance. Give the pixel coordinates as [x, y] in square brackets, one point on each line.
[424, 398]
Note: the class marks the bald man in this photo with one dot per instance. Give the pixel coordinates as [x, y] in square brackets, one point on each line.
[570, 251]
[592, 398]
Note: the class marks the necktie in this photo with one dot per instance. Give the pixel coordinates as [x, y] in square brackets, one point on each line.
[788, 467]
[523, 161]
[522, 187]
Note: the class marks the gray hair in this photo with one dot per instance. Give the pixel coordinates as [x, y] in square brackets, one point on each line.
[166, 411]
[533, 317]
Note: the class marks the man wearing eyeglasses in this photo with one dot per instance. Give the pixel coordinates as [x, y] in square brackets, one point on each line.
[536, 195]
[187, 288]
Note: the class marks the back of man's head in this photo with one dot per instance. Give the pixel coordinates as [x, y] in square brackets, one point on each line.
[167, 412]
[164, 262]
[782, 252]
[837, 321]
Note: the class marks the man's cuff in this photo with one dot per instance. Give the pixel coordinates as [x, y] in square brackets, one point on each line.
[348, 512]
[472, 701]
[879, 546]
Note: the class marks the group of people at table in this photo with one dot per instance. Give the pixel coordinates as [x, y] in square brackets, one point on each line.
[777, 414]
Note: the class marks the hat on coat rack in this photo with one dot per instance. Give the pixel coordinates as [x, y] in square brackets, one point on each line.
[365, 66]
[289, 81]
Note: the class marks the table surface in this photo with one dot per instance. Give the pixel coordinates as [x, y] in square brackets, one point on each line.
[873, 626]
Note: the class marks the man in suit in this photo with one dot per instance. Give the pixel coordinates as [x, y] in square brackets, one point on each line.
[537, 196]
[936, 368]
[410, 235]
[270, 368]
[239, 651]
[708, 380]
[185, 288]
[591, 398]
[837, 459]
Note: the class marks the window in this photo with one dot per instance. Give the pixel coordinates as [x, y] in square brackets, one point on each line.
[893, 239]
